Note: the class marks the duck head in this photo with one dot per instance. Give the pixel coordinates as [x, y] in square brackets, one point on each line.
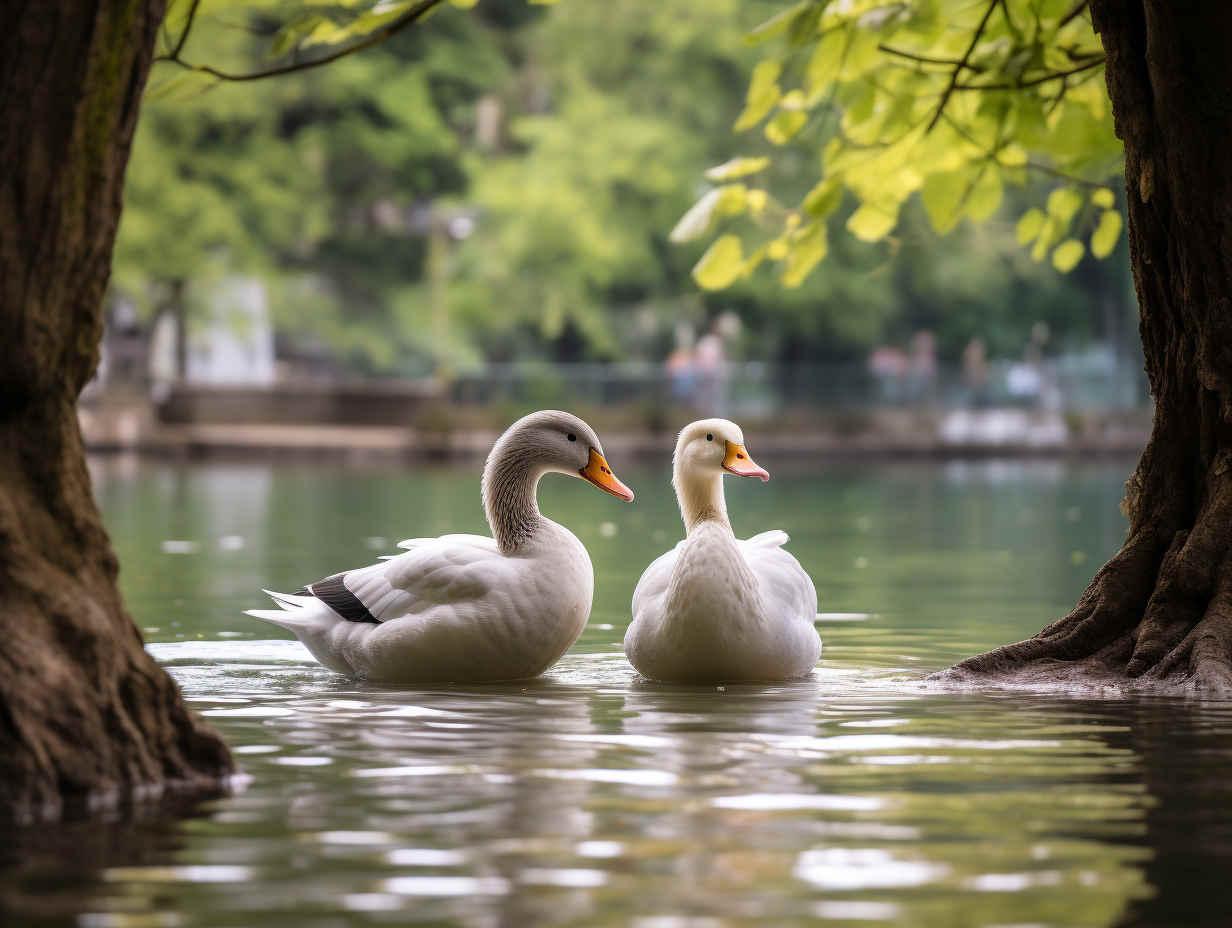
[705, 451]
[551, 441]
[715, 447]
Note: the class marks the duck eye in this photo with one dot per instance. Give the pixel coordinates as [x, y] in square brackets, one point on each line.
[572, 437]
[709, 437]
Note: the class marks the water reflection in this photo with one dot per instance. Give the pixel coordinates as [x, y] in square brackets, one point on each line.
[591, 797]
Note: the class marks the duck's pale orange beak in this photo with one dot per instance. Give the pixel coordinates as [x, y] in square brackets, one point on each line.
[739, 463]
[598, 473]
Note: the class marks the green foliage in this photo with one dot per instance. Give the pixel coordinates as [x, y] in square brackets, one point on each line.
[574, 139]
[952, 100]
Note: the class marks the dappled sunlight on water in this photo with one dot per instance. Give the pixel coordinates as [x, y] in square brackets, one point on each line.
[592, 797]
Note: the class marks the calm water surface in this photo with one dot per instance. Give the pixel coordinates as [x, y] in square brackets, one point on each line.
[590, 797]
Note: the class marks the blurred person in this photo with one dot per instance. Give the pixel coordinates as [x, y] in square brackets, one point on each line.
[889, 366]
[975, 372]
[922, 366]
[679, 365]
[710, 363]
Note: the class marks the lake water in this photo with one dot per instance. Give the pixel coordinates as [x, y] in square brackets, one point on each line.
[589, 797]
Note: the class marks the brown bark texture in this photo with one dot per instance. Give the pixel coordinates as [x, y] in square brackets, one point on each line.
[1159, 614]
[85, 713]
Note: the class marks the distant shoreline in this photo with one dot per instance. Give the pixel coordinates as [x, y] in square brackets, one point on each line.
[390, 444]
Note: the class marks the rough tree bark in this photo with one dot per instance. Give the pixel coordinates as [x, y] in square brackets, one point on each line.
[84, 711]
[1160, 612]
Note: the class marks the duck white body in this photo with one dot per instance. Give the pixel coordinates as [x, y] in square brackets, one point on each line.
[467, 608]
[717, 608]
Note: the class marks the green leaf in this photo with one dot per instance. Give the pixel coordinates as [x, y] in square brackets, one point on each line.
[776, 24]
[1063, 203]
[984, 197]
[696, 221]
[721, 265]
[1048, 234]
[733, 198]
[1106, 235]
[824, 198]
[180, 86]
[806, 253]
[763, 94]
[737, 167]
[942, 194]
[1104, 197]
[1030, 224]
[872, 223]
[784, 125]
[1067, 255]
[826, 61]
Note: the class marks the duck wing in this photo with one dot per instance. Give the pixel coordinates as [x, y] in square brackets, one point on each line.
[449, 570]
[785, 586]
[655, 579]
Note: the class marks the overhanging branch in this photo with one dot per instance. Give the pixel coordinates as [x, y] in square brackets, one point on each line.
[961, 65]
[376, 37]
[1034, 81]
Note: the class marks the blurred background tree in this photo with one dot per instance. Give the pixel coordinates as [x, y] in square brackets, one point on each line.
[505, 187]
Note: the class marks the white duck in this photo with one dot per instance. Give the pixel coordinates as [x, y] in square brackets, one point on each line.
[715, 608]
[467, 608]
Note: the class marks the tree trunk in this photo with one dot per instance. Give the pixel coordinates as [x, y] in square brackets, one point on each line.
[84, 711]
[1160, 612]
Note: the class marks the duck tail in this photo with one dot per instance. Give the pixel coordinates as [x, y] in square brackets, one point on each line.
[292, 614]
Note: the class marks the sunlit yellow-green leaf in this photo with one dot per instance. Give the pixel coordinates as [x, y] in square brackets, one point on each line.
[824, 198]
[808, 249]
[1067, 255]
[785, 124]
[180, 86]
[721, 265]
[1029, 226]
[464, 4]
[942, 195]
[826, 61]
[1013, 156]
[1063, 203]
[755, 201]
[763, 94]
[1104, 197]
[732, 200]
[776, 24]
[872, 222]
[737, 167]
[984, 197]
[1106, 234]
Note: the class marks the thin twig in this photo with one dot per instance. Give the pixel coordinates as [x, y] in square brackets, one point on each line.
[925, 59]
[1072, 14]
[375, 37]
[962, 64]
[1035, 81]
[1080, 181]
[188, 24]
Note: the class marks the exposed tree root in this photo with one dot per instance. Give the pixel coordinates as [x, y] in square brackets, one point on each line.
[1158, 615]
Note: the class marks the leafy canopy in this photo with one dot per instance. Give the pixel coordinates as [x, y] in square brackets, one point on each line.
[573, 137]
[950, 100]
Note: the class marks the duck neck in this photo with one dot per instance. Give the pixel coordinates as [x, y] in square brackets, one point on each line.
[700, 497]
[510, 486]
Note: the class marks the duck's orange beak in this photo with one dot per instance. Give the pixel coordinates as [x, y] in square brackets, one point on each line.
[739, 462]
[598, 473]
